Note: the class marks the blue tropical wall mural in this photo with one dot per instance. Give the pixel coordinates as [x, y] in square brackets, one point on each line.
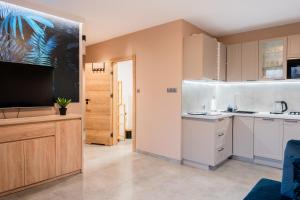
[31, 37]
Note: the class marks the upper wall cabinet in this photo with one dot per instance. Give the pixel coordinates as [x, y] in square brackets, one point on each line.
[250, 61]
[272, 59]
[294, 46]
[234, 62]
[200, 57]
[222, 54]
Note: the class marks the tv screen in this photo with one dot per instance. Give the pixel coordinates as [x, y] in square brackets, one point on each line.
[25, 85]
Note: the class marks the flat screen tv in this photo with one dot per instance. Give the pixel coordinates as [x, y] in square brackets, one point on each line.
[25, 85]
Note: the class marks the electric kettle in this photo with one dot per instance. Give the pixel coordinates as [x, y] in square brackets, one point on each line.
[279, 107]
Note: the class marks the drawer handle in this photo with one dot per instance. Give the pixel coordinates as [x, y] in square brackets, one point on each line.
[220, 135]
[268, 119]
[221, 119]
[291, 121]
[221, 149]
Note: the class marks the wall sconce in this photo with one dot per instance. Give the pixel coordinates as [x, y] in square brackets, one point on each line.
[98, 67]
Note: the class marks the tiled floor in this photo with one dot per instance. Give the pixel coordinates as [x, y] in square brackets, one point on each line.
[114, 173]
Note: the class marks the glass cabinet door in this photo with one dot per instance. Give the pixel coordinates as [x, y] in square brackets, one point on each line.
[272, 58]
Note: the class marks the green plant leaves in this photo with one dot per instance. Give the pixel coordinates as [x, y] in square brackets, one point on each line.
[63, 102]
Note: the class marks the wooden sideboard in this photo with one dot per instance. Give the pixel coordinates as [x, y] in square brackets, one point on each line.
[35, 150]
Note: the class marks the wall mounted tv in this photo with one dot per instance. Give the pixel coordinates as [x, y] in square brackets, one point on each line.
[25, 85]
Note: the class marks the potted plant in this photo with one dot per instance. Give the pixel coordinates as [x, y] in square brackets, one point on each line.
[63, 103]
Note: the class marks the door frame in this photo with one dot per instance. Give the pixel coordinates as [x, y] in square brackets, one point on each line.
[114, 61]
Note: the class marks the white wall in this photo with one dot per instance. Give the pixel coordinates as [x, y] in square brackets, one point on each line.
[253, 96]
[125, 75]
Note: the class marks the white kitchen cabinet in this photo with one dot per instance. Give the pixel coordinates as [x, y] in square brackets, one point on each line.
[243, 131]
[293, 46]
[206, 142]
[222, 56]
[272, 59]
[268, 138]
[250, 61]
[200, 54]
[234, 62]
[291, 131]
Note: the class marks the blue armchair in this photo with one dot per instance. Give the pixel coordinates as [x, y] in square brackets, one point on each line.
[289, 188]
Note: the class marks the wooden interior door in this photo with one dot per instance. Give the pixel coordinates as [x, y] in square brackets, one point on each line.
[99, 104]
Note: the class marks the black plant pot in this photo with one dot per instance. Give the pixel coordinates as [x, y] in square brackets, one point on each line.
[62, 111]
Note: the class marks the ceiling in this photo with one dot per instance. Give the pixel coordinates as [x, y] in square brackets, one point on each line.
[105, 19]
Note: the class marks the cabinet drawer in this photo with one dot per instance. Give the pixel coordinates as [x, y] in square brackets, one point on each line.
[26, 131]
[223, 123]
[220, 154]
[220, 138]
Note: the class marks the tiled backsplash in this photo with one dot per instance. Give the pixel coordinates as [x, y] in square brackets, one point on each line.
[252, 96]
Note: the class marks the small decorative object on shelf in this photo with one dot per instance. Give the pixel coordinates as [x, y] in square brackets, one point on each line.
[63, 103]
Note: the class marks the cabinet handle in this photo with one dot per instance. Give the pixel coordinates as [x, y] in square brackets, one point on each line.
[291, 121]
[221, 149]
[221, 119]
[268, 119]
[220, 135]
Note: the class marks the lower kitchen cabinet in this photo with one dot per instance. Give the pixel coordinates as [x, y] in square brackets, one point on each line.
[291, 131]
[243, 131]
[268, 137]
[206, 142]
[11, 166]
[39, 159]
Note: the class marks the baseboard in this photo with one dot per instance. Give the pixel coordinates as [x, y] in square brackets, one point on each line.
[239, 158]
[268, 162]
[172, 160]
[195, 164]
[39, 183]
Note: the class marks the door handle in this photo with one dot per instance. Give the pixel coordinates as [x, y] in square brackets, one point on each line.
[268, 119]
[221, 149]
[291, 121]
[220, 134]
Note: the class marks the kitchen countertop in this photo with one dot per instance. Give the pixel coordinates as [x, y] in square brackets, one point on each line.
[220, 115]
[211, 116]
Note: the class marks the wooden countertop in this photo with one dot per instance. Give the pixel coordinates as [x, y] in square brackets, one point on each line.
[47, 118]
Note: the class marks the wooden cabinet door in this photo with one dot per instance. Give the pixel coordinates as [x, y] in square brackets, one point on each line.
[234, 62]
[291, 132]
[294, 46]
[193, 57]
[198, 141]
[69, 146]
[222, 54]
[250, 61]
[200, 55]
[210, 57]
[268, 138]
[243, 136]
[11, 166]
[39, 159]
